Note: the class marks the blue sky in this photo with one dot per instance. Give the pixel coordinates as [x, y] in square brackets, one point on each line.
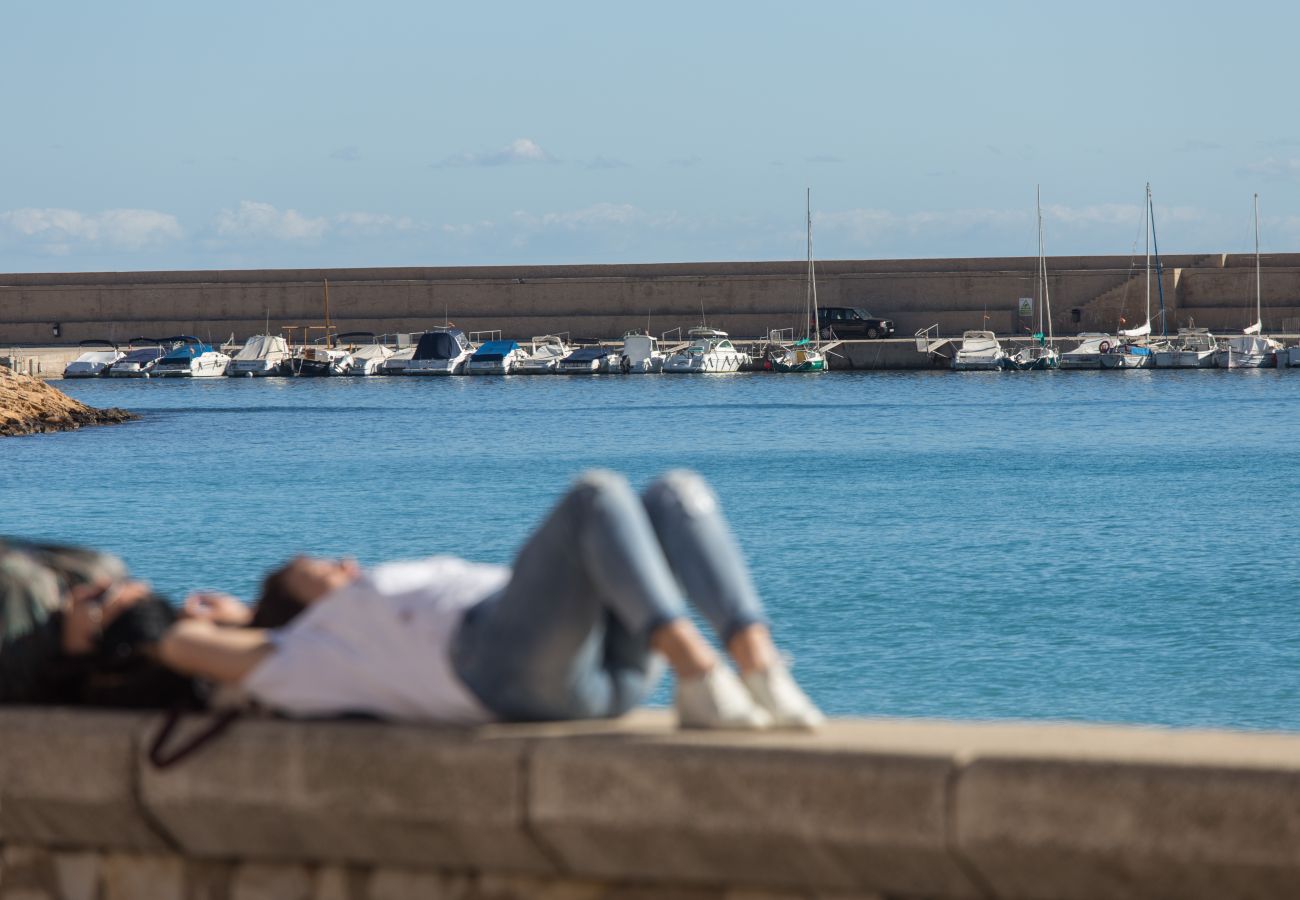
[153, 135]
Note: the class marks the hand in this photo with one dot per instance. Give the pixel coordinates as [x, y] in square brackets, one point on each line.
[217, 608]
[91, 608]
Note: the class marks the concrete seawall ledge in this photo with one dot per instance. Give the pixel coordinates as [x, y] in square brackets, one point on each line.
[866, 808]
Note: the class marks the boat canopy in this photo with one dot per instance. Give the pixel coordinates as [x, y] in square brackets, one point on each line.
[186, 351]
[587, 354]
[143, 355]
[440, 344]
[1141, 331]
[495, 351]
[263, 346]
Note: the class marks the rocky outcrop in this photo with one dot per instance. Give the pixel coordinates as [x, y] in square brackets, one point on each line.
[30, 406]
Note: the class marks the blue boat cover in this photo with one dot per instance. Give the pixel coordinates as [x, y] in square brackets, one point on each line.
[494, 351]
[187, 351]
[144, 354]
[440, 344]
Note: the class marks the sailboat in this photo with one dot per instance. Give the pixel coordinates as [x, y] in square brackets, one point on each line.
[1250, 349]
[805, 354]
[1134, 352]
[1041, 355]
[322, 357]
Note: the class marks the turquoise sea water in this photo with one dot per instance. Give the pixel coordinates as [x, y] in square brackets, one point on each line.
[1103, 546]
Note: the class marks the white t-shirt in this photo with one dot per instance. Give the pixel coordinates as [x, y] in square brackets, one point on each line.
[380, 646]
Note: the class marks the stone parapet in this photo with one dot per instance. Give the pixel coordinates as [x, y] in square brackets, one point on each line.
[635, 808]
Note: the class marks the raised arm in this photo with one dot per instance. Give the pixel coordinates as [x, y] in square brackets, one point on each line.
[225, 655]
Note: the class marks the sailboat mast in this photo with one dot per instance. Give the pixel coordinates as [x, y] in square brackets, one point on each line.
[1045, 309]
[810, 298]
[1259, 309]
[1146, 218]
[328, 342]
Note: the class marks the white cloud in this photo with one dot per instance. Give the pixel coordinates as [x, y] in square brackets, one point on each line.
[264, 221]
[1275, 168]
[373, 223]
[62, 230]
[520, 150]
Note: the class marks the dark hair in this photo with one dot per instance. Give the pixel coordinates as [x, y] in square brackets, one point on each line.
[276, 604]
[124, 672]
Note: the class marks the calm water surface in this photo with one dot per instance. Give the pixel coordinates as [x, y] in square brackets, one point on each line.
[1105, 546]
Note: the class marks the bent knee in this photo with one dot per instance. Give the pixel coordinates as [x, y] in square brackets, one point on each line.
[598, 485]
[680, 490]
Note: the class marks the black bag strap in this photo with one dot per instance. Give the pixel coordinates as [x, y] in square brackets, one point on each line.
[162, 759]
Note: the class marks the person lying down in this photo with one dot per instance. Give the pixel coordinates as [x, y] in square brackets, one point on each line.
[575, 630]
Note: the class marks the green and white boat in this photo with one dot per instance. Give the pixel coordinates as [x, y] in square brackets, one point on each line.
[805, 354]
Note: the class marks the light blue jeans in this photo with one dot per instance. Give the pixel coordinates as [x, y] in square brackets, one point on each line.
[568, 637]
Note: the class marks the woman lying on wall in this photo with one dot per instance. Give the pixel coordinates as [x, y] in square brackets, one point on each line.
[572, 632]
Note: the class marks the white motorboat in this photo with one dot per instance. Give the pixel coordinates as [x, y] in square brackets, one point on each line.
[1087, 355]
[640, 354]
[499, 357]
[1288, 357]
[397, 363]
[980, 351]
[368, 353]
[262, 355]
[548, 350]
[441, 351]
[93, 363]
[191, 358]
[1192, 348]
[591, 359]
[1250, 349]
[139, 362]
[709, 351]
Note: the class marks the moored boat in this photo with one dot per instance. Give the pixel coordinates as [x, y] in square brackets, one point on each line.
[640, 354]
[592, 359]
[93, 363]
[805, 354]
[1191, 348]
[1250, 349]
[261, 355]
[368, 352]
[1042, 354]
[191, 358]
[548, 350]
[319, 360]
[441, 351]
[1087, 355]
[499, 357]
[139, 362]
[709, 351]
[980, 351]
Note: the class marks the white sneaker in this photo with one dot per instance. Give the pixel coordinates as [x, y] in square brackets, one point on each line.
[774, 690]
[717, 699]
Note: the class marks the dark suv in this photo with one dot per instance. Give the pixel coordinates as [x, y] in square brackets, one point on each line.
[845, 321]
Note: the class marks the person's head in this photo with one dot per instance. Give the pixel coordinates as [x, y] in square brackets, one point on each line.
[293, 587]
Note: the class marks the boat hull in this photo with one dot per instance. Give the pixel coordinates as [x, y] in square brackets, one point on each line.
[707, 364]
[1127, 360]
[1236, 359]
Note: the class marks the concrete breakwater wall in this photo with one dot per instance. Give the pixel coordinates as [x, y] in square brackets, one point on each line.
[635, 809]
[747, 299]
